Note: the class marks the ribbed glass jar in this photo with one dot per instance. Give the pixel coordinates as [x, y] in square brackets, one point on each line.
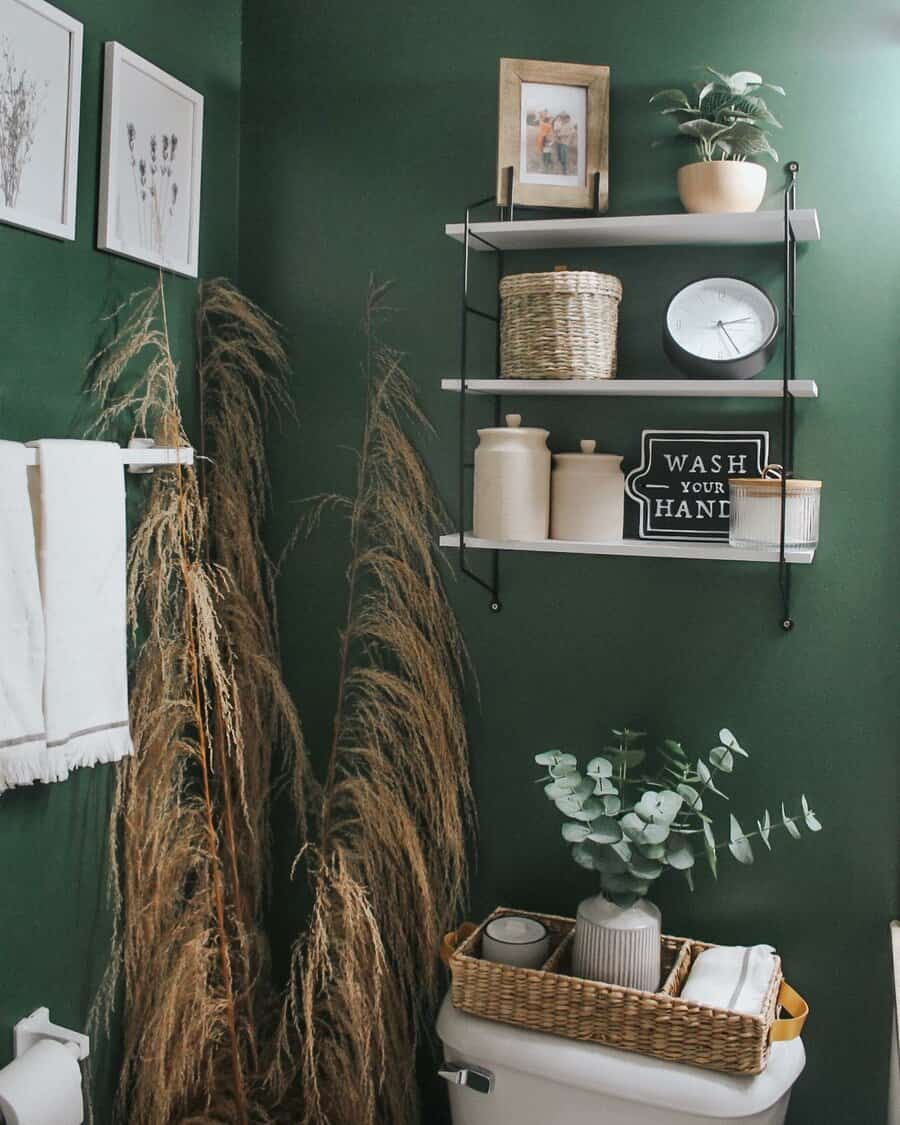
[755, 521]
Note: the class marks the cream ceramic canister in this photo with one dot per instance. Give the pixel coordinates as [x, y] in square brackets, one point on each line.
[587, 495]
[512, 482]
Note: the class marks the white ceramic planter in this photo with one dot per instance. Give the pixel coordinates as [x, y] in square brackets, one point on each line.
[618, 946]
[587, 495]
[512, 483]
[722, 185]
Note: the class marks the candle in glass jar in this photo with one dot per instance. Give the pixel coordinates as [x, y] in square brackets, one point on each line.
[755, 520]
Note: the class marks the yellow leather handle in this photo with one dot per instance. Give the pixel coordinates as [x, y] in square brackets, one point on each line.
[798, 1009]
[454, 940]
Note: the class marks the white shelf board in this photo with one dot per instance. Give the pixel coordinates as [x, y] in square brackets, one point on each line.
[633, 548]
[636, 388]
[640, 230]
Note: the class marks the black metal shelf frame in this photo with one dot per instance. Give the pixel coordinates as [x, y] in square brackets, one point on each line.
[789, 367]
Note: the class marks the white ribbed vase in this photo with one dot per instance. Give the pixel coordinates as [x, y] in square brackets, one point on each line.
[618, 946]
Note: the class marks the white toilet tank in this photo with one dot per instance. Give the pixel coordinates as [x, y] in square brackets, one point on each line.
[536, 1078]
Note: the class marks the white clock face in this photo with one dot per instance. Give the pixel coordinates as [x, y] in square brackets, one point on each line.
[721, 318]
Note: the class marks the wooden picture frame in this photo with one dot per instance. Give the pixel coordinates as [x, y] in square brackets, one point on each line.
[150, 164]
[554, 132]
[40, 111]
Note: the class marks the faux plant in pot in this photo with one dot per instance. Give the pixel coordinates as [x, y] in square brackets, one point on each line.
[630, 820]
[727, 119]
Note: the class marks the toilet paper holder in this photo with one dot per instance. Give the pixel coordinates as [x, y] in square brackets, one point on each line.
[31, 1029]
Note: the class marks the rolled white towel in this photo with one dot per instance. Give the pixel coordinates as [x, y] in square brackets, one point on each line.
[733, 977]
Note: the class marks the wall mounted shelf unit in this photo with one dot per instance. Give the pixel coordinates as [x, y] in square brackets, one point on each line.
[636, 388]
[785, 228]
[633, 548]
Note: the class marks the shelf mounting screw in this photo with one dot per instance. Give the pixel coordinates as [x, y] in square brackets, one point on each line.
[496, 606]
[787, 624]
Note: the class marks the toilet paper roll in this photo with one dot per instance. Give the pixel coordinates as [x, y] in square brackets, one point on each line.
[42, 1087]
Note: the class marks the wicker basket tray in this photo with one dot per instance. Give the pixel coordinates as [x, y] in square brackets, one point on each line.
[560, 325]
[650, 1023]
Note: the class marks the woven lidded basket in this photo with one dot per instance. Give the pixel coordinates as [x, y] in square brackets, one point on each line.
[560, 325]
[660, 1023]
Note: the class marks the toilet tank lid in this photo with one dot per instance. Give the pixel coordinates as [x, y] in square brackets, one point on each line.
[621, 1074]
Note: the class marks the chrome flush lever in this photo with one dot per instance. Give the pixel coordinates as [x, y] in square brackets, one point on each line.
[475, 1077]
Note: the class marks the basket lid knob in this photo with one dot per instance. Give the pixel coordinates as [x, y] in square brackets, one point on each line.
[588, 445]
[514, 421]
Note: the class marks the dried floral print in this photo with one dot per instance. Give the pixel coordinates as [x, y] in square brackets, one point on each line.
[155, 187]
[21, 105]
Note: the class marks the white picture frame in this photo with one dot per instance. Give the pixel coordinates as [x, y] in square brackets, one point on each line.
[150, 164]
[40, 113]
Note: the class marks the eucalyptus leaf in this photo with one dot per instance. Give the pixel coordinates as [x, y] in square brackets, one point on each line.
[623, 850]
[605, 830]
[599, 767]
[728, 739]
[656, 833]
[679, 853]
[721, 758]
[812, 822]
[739, 845]
[688, 874]
[643, 868]
[564, 769]
[604, 787]
[692, 798]
[765, 828]
[709, 845]
[556, 789]
[606, 860]
[584, 788]
[791, 827]
[670, 803]
[583, 856]
[651, 851]
[626, 884]
[549, 757]
[623, 901]
[611, 805]
[675, 749]
[633, 826]
[575, 833]
[705, 776]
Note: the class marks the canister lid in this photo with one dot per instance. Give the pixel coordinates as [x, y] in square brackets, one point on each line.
[588, 458]
[771, 481]
[514, 426]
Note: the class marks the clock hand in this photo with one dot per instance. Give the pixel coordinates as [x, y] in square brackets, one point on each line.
[740, 320]
[721, 325]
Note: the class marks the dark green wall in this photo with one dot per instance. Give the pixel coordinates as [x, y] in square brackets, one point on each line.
[54, 925]
[370, 125]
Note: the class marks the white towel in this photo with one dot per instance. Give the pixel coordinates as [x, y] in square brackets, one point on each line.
[734, 977]
[78, 502]
[23, 751]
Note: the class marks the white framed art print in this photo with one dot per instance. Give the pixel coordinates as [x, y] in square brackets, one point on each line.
[150, 164]
[40, 108]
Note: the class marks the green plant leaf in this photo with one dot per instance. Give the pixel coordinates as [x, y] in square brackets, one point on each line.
[704, 90]
[642, 868]
[670, 803]
[604, 787]
[611, 805]
[679, 853]
[709, 845]
[629, 736]
[655, 834]
[564, 769]
[705, 776]
[765, 828]
[623, 850]
[680, 98]
[675, 749]
[652, 851]
[692, 798]
[812, 821]
[557, 789]
[633, 826]
[728, 739]
[605, 830]
[791, 827]
[742, 80]
[606, 860]
[626, 884]
[702, 129]
[574, 833]
[551, 757]
[599, 767]
[688, 874]
[744, 139]
[739, 845]
[583, 856]
[721, 758]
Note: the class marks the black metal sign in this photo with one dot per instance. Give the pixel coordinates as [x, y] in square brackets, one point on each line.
[681, 485]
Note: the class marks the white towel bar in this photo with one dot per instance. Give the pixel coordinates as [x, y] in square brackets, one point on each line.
[147, 458]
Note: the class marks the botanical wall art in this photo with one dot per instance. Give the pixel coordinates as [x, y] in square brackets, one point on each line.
[40, 96]
[553, 132]
[150, 164]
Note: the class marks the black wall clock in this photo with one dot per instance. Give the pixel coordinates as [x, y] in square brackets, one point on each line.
[720, 328]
